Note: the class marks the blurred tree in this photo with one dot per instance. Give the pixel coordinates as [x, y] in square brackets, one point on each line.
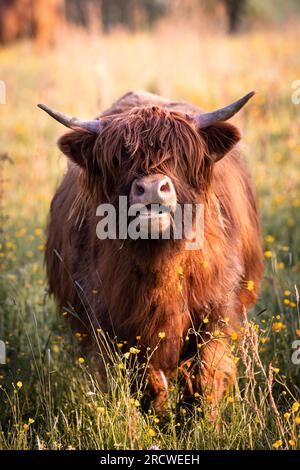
[234, 10]
[37, 19]
[80, 11]
[132, 14]
[40, 19]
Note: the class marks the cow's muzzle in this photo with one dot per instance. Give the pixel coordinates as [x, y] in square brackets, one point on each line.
[156, 195]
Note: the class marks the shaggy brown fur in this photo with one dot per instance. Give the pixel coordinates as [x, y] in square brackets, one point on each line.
[143, 287]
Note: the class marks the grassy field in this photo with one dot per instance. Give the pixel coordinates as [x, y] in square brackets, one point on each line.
[48, 398]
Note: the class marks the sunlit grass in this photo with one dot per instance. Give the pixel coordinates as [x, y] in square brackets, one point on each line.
[49, 397]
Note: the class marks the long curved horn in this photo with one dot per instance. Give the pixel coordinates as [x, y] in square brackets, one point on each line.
[206, 119]
[93, 126]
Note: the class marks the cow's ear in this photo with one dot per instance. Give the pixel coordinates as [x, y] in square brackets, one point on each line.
[78, 146]
[220, 138]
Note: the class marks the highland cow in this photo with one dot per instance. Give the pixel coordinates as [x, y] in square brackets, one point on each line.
[184, 306]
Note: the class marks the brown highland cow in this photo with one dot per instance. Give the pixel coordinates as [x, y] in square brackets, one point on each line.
[156, 151]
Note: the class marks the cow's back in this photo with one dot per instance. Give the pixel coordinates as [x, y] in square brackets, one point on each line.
[138, 99]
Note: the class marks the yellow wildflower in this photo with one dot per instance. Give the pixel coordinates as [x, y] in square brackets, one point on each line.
[234, 336]
[295, 407]
[21, 233]
[136, 403]
[161, 334]
[277, 444]
[278, 326]
[81, 360]
[151, 432]
[265, 340]
[134, 350]
[269, 239]
[19, 384]
[268, 254]
[250, 285]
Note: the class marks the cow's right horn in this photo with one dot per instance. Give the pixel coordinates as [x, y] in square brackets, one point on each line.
[93, 125]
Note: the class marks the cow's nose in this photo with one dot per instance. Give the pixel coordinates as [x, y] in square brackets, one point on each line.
[153, 189]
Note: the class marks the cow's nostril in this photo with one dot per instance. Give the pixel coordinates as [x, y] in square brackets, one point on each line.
[139, 189]
[165, 188]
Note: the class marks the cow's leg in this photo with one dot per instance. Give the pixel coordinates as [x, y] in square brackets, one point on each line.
[158, 384]
[217, 373]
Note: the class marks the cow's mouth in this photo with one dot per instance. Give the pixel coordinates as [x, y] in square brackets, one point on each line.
[152, 211]
[154, 219]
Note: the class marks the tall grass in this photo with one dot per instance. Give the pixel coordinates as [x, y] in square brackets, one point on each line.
[49, 396]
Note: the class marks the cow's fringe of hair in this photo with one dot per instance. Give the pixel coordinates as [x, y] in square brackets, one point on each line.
[152, 139]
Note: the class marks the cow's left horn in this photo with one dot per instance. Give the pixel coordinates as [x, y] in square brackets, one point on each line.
[93, 125]
[207, 119]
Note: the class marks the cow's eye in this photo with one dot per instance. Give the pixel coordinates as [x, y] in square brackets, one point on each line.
[139, 189]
